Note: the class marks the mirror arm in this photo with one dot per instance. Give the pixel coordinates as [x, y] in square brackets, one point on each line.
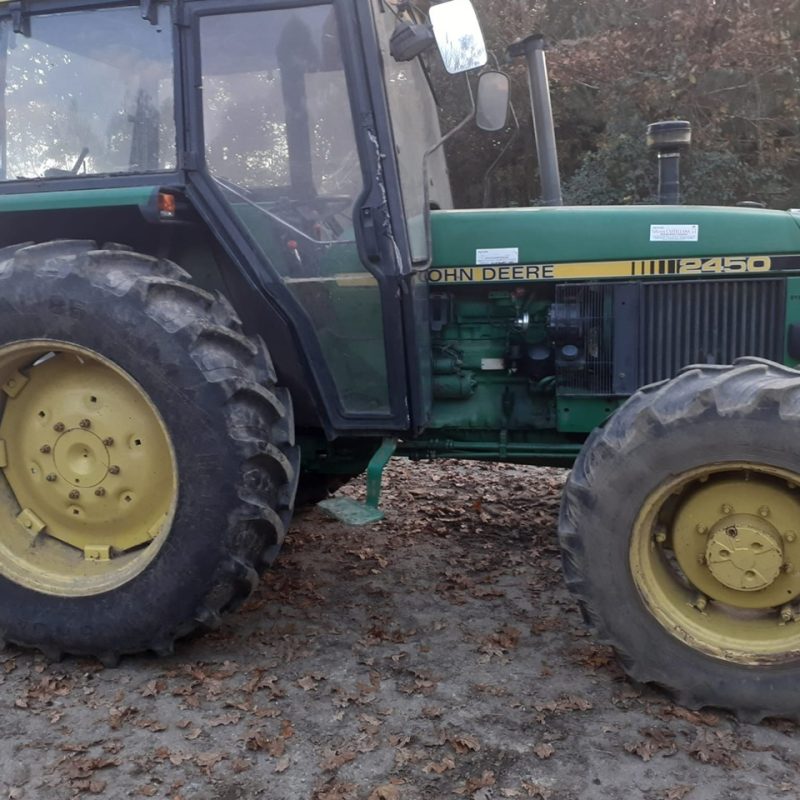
[423, 267]
[428, 79]
[493, 166]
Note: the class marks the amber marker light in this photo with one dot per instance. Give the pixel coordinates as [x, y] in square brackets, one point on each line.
[166, 205]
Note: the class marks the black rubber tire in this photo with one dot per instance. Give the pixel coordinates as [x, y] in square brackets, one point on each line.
[231, 428]
[747, 412]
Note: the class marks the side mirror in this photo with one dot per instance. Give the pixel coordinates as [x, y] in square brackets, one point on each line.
[493, 101]
[459, 36]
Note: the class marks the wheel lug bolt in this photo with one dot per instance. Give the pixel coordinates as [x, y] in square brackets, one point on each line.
[726, 509]
[661, 536]
[787, 614]
[114, 469]
[101, 492]
[764, 511]
[701, 529]
[790, 536]
[45, 448]
[85, 423]
[59, 427]
[52, 477]
[74, 495]
[108, 441]
[700, 603]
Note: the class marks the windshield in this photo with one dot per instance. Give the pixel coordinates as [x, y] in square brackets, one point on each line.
[86, 93]
[278, 126]
[415, 124]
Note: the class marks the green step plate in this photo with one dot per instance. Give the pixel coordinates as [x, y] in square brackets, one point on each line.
[351, 512]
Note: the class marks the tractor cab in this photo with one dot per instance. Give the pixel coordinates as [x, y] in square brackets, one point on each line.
[306, 138]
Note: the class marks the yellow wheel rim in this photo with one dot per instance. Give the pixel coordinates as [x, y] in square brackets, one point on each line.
[90, 480]
[715, 555]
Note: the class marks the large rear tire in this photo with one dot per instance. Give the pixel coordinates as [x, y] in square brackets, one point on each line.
[680, 533]
[148, 462]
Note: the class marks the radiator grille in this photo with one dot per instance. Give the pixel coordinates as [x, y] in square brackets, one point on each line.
[708, 322]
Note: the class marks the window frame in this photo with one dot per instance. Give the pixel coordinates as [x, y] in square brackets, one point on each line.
[380, 197]
[117, 179]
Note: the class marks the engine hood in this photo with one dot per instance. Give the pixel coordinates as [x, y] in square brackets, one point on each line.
[603, 233]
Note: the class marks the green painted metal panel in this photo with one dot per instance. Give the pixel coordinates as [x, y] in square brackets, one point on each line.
[598, 233]
[583, 414]
[142, 196]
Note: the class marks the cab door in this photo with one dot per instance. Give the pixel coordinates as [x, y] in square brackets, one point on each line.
[288, 156]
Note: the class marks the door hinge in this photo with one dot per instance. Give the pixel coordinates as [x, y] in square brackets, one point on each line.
[149, 11]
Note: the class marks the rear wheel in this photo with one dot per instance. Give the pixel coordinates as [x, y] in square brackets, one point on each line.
[680, 530]
[147, 457]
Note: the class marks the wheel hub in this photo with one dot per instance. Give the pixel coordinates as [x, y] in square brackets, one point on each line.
[88, 464]
[714, 555]
[735, 541]
[744, 552]
[80, 458]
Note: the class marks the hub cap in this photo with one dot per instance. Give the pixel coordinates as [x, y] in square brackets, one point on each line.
[714, 554]
[90, 482]
[744, 553]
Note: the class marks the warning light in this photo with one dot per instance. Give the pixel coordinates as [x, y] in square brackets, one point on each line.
[166, 205]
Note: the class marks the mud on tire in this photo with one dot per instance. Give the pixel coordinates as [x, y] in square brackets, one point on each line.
[231, 429]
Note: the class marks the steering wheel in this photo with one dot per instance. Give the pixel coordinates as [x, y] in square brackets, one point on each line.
[55, 172]
[328, 205]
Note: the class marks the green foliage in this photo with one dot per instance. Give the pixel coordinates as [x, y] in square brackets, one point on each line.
[620, 171]
[731, 67]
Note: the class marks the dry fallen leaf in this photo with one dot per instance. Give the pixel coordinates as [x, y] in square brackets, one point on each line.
[387, 791]
[544, 750]
[465, 742]
[536, 790]
[715, 747]
[440, 767]
[207, 761]
[677, 792]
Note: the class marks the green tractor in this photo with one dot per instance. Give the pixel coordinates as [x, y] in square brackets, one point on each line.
[230, 264]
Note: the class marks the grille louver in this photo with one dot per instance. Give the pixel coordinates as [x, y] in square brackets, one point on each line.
[708, 322]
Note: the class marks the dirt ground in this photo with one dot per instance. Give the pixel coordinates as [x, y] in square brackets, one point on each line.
[434, 655]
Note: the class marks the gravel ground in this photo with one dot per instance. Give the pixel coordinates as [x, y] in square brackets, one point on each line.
[433, 655]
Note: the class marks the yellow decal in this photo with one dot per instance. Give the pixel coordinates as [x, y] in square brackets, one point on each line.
[600, 269]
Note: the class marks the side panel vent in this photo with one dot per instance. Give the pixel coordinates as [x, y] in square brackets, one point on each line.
[583, 317]
[708, 322]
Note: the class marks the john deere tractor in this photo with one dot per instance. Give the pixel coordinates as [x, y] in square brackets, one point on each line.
[231, 264]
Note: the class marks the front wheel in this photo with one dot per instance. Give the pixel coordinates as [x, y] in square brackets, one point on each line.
[680, 534]
[147, 459]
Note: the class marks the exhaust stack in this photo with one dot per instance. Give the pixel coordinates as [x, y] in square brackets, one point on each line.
[669, 139]
[533, 49]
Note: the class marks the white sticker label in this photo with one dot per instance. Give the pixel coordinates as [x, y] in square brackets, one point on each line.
[497, 255]
[674, 233]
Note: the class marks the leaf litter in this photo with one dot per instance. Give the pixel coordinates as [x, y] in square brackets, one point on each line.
[433, 655]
